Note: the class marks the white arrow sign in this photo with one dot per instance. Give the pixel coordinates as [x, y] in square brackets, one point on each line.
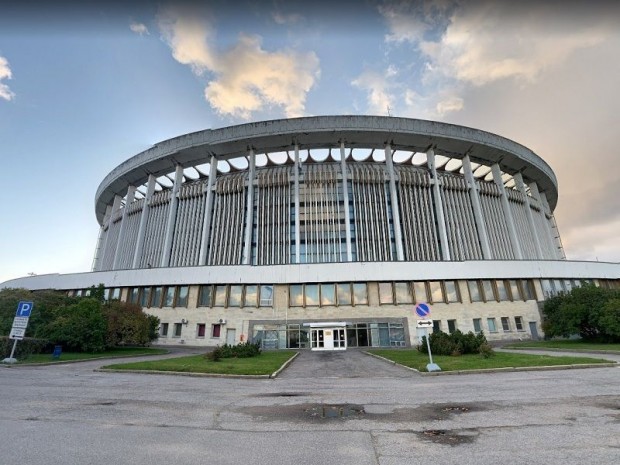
[425, 323]
[17, 333]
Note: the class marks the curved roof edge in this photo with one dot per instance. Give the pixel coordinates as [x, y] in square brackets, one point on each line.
[323, 131]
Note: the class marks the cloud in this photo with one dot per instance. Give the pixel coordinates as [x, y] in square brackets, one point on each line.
[283, 18]
[247, 78]
[139, 28]
[378, 89]
[5, 73]
[449, 105]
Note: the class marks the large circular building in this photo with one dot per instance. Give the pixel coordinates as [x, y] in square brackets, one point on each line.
[323, 232]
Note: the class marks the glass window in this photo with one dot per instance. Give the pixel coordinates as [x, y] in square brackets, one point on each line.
[491, 324]
[235, 294]
[266, 295]
[116, 293]
[178, 329]
[200, 330]
[546, 287]
[514, 290]
[502, 293]
[474, 291]
[328, 294]
[134, 294]
[360, 294]
[220, 295]
[169, 296]
[156, 296]
[106, 294]
[163, 330]
[505, 323]
[216, 330]
[519, 323]
[402, 292]
[436, 291]
[451, 326]
[558, 285]
[527, 286]
[251, 296]
[182, 293]
[344, 293]
[419, 290]
[487, 287]
[296, 295]
[145, 297]
[477, 325]
[385, 293]
[204, 296]
[312, 295]
[452, 294]
[436, 326]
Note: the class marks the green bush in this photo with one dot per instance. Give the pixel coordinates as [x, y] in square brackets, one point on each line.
[456, 343]
[241, 350]
[24, 348]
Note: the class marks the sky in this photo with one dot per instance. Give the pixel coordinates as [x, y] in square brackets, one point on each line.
[86, 85]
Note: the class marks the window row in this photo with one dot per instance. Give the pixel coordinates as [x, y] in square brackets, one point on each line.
[159, 296]
[498, 290]
[328, 294]
[418, 291]
[235, 295]
[491, 325]
[201, 330]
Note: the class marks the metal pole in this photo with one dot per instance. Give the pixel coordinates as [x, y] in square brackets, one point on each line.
[13, 350]
[428, 346]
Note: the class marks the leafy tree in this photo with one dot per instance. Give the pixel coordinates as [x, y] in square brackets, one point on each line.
[79, 327]
[588, 310]
[127, 324]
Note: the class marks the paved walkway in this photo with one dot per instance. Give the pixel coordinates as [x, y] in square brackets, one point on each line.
[351, 363]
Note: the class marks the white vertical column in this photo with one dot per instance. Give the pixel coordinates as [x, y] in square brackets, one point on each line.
[512, 230]
[206, 224]
[150, 190]
[439, 214]
[536, 195]
[172, 214]
[555, 237]
[474, 195]
[131, 192]
[249, 212]
[398, 238]
[101, 242]
[345, 193]
[297, 220]
[528, 213]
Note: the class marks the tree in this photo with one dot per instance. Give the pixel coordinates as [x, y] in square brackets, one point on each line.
[588, 310]
[127, 324]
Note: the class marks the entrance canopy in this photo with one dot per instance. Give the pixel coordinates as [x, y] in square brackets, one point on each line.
[327, 324]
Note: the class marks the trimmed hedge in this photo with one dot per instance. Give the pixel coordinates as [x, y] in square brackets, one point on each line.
[241, 350]
[457, 343]
[25, 347]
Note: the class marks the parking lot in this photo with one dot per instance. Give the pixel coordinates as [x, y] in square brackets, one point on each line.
[341, 408]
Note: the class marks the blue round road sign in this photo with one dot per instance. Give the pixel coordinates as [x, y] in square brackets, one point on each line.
[423, 310]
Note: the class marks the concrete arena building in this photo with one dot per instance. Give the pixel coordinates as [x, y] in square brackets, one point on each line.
[323, 233]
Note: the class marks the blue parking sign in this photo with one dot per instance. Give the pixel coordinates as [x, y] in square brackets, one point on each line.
[24, 308]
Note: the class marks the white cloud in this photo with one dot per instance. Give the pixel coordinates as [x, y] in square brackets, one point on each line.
[247, 77]
[449, 105]
[139, 28]
[377, 86]
[5, 73]
[282, 18]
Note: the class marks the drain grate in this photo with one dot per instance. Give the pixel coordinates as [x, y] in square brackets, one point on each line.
[335, 411]
[455, 409]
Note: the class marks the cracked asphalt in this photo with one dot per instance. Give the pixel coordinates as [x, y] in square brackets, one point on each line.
[326, 408]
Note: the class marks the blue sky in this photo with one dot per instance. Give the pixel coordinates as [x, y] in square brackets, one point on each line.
[84, 86]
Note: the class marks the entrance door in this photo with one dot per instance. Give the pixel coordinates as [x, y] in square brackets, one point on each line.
[231, 336]
[534, 330]
[317, 339]
[340, 339]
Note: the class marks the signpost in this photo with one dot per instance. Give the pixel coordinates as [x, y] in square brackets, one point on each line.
[423, 310]
[20, 323]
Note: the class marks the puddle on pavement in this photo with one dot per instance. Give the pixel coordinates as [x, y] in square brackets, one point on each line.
[448, 437]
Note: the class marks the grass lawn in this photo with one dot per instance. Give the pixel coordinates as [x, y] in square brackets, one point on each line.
[418, 360]
[577, 345]
[68, 356]
[263, 364]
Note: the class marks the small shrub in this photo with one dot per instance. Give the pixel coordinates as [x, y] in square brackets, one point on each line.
[456, 343]
[24, 348]
[486, 350]
[241, 350]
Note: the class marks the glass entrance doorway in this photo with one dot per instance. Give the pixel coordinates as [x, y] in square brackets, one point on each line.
[324, 337]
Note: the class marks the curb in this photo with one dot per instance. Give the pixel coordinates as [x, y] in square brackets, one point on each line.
[555, 349]
[499, 370]
[67, 362]
[284, 365]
